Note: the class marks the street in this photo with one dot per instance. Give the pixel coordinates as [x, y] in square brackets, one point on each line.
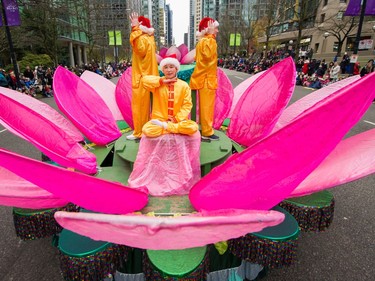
[345, 251]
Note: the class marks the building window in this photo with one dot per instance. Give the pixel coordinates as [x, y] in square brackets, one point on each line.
[325, 2]
[316, 47]
[335, 46]
[342, 1]
[322, 17]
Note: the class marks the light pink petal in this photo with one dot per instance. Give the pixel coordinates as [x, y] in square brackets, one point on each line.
[266, 173]
[307, 101]
[105, 88]
[47, 136]
[163, 51]
[166, 233]
[189, 57]
[174, 50]
[223, 99]
[183, 50]
[158, 58]
[17, 192]
[260, 107]
[44, 110]
[352, 159]
[241, 89]
[86, 191]
[124, 96]
[84, 107]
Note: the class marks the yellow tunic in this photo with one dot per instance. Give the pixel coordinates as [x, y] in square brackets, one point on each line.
[143, 63]
[204, 79]
[179, 110]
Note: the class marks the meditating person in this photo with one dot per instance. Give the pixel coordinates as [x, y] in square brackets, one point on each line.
[171, 102]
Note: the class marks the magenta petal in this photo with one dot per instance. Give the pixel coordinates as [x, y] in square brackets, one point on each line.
[18, 192]
[84, 107]
[124, 96]
[47, 136]
[189, 57]
[183, 50]
[223, 99]
[163, 51]
[174, 50]
[166, 233]
[266, 173]
[352, 159]
[105, 88]
[259, 108]
[86, 191]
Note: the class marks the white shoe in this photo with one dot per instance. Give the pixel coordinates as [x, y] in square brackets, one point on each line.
[131, 137]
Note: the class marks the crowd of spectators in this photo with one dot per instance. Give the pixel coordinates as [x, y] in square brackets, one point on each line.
[311, 72]
[39, 80]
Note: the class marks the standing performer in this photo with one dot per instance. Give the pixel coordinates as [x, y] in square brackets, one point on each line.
[171, 102]
[143, 63]
[204, 77]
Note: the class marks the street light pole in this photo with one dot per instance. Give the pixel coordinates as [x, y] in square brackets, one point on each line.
[10, 42]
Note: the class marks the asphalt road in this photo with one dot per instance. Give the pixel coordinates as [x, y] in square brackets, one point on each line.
[346, 251]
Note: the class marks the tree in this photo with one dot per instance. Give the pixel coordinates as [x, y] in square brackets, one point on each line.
[305, 12]
[39, 27]
[340, 27]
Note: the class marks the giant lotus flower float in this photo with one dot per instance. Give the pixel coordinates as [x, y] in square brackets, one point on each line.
[283, 153]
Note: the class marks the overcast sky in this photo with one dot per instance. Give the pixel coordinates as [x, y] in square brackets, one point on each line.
[180, 23]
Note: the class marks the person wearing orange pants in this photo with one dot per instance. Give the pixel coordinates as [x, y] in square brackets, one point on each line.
[143, 63]
[204, 77]
[171, 102]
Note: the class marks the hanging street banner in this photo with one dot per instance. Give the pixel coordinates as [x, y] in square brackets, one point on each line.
[112, 38]
[235, 40]
[12, 13]
[354, 8]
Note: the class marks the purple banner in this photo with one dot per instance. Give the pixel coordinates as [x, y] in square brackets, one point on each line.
[12, 12]
[354, 8]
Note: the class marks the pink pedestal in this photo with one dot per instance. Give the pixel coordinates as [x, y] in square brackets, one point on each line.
[167, 165]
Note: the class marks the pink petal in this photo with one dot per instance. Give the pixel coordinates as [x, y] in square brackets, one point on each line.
[17, 192]
[106, 90]
[223, 99]
[163, 51]
[189, 57]
[259, 108]
[44, 110]
[47, 136]
[174, 50]
[124, 96]
[266, 173]
[352, 159]
[304, 103]
[84, 107]
[183, 49]
[165, 233]
[86, 191]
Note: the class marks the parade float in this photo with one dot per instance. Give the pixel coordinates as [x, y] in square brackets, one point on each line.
[248, 194]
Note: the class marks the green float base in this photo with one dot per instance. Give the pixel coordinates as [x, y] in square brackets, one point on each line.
[313, 212]
[272, 247]
[33, 224]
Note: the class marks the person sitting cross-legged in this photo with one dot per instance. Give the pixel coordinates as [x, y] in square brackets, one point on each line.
[171, 102]
[168, 160]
